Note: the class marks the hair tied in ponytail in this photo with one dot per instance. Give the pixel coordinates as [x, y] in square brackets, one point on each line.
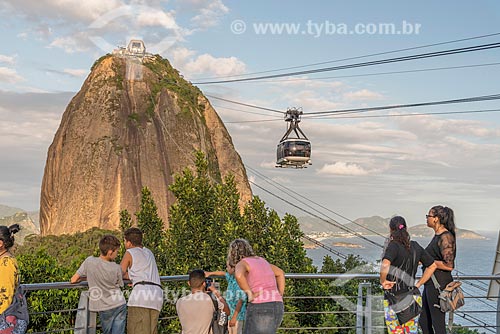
[13, 229]
[401, 226]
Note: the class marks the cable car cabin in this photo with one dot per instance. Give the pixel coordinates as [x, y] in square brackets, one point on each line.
[293, 152]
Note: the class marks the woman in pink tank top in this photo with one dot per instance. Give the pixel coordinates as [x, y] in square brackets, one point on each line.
[264, 283]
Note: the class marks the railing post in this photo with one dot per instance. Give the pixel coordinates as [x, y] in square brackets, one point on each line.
[85, 322]
[498, 312]
[364, 313]
[368, 309]
[359, 310]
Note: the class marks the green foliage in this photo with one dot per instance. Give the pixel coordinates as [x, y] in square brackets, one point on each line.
[457, 329]
[68, 249]
[55, 259]
[171, 79]
[134, 117]
[150, 223]
[204, 220]
[125, 220]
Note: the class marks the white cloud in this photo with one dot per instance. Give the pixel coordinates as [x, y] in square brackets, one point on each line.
[431, 127]
[22, 35]
[10, 60]
[62, 10]
[76, 72]
[209, 65]
[306, 83]
[342, 168]
[268, 164]
[9, 75]
[210, 13]
[363, 94]
[179, 56]
[311, 100]
[71, 44]
[157, 18]
[282, 179]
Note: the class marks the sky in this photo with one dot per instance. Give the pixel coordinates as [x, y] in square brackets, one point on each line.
[361, 166]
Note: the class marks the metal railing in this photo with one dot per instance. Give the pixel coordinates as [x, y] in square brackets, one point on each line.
[359, 313]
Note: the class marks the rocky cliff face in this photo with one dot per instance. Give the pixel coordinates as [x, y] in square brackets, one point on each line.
[131, 125]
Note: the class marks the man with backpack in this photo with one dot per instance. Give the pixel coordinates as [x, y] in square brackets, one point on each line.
[196, 311]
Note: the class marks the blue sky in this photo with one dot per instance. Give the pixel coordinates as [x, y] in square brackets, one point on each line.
[361, 167]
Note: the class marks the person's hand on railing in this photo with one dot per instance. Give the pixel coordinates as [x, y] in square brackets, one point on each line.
[386, 285]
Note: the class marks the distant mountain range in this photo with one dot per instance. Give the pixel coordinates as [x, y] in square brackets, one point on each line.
[314, 227]
[27, 220]
[369, 226]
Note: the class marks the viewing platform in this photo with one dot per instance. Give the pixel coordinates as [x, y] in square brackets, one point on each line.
[357, 308]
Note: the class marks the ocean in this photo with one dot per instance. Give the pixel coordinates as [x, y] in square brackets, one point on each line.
[474, 257]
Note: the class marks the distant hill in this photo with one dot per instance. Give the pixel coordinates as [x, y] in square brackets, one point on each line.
[22, 218]
[423, 231]
[365, 226]
[8, 210]
[369, 226]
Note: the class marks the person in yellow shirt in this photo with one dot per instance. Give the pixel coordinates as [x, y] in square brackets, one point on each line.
[9, 276]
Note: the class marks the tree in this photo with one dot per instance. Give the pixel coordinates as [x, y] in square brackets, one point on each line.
[125, 220]
[203, 221]
[150, 223]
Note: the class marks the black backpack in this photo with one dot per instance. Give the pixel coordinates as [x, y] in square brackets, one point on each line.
[17, 313]
[218, 317]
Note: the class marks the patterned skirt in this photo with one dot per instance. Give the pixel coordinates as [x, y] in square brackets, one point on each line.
[11, 325]
[392, 322]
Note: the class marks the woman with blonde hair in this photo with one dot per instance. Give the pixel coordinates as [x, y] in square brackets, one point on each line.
[264, 284]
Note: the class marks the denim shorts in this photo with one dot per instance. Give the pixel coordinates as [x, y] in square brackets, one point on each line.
[263, 318]
[113, 321]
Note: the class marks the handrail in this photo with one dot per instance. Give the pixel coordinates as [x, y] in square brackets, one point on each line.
[180, 278]
[364, 306]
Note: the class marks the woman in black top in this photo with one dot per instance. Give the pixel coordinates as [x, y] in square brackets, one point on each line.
[443, 250]
[398, 270]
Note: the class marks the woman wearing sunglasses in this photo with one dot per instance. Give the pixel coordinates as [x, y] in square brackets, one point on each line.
[443, 249]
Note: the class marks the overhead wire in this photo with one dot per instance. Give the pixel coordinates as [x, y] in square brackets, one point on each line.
[408, 115]
[279, 185]
[329, 221]
[377, 116]
[341, 112]
[364, 64]
[410, 105]
[358, 57]
[247, 112]
[378, 73]
[290, 203]
[245, 104]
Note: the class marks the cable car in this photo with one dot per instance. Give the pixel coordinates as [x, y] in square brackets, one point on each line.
[293, 151]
